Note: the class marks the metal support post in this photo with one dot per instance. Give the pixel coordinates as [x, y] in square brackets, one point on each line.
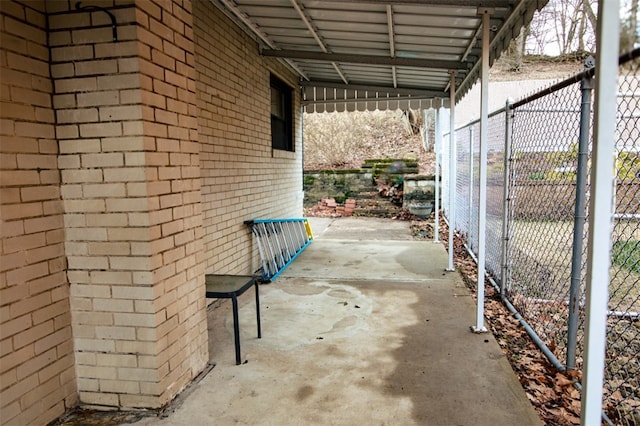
[504, 267]
[437, 147]
[600, 211]
[452, 165]
[484, 135]
[586, 87]
[470, 212]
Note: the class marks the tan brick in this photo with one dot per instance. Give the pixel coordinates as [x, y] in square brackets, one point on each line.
[141, 401]
[106, 219]
[120, 386]
[140, 348]
[102, 190]
[77, 115]
[113, 305]
[102, 160]
[27, 273]
[30, 65]
[76, 248]
[13, 261]
[12, 327]
[69, 162]
[10, 195]
[98, 67]
[98, 98]
[87, 234]
[134, 319]
[117, 113]
[71, 53]
[111, 277]
[88, 262]
[45, 223]
[87, 290]
[142, 374]
[129, 263]
[84, 206]
[79, 146]
[30, 304]
[143, 277]
[34, 193]
[119, 333]
[133, 128]
[52, 310]
[20, 388]
[31, 97]
[33, 334]
[125, 143]
[101, 398]
[37, 363]
[109, 248]
[97, 345]
[88, 385]
[100, 130]
[130, 234]
[128, 174]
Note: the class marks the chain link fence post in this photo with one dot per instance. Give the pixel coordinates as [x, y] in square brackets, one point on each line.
[580, 215]
[504, 264]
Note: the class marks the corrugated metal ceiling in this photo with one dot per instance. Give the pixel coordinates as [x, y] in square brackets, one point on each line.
[373, 54]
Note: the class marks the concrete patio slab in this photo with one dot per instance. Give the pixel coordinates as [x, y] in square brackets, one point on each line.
[357, 331]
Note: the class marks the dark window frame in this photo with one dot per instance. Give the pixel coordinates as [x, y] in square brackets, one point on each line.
[281, 95]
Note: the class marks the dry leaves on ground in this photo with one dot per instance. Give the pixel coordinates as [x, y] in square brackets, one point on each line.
[552, 393]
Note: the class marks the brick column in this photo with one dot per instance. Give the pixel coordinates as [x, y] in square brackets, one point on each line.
[130, 183]
[37, 380]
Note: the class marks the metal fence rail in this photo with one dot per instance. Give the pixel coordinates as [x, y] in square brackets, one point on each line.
[539, 147]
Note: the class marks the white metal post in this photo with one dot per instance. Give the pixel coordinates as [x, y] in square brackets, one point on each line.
[437, 147]
[484, 134]
[470, 183]
[452, 165]
[599, 243]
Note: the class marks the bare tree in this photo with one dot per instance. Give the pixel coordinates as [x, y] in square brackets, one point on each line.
[563, 27]
[629, 36]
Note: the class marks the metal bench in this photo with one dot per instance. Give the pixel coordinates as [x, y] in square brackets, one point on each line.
[230, 287]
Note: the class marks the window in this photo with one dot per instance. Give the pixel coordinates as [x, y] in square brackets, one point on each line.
[281, 115]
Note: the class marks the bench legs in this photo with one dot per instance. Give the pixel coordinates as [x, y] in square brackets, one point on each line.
[258, 310]
[236, 328]
[236, 322]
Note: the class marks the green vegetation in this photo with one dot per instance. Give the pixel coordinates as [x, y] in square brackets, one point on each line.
[308, 181]
[628, 165]
[626, 254]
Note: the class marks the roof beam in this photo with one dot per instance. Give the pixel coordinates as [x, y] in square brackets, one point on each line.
[377, 88]
[365, 59]
[231, 10]
[316, 36]
[392, 45]
[455, 3]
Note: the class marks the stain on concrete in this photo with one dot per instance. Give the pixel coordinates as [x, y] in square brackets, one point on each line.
[304, 393]
[341, 294]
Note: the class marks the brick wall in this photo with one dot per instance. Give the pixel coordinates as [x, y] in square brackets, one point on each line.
[242, 176]
[37, 379]
[126, 174]
[131, 188]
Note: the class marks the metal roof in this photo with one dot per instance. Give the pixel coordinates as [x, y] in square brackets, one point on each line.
[375, 54]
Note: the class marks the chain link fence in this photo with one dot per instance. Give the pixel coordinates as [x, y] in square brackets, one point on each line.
[536, 232]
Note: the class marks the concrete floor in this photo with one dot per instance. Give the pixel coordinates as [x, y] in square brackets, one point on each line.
[365, 327]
